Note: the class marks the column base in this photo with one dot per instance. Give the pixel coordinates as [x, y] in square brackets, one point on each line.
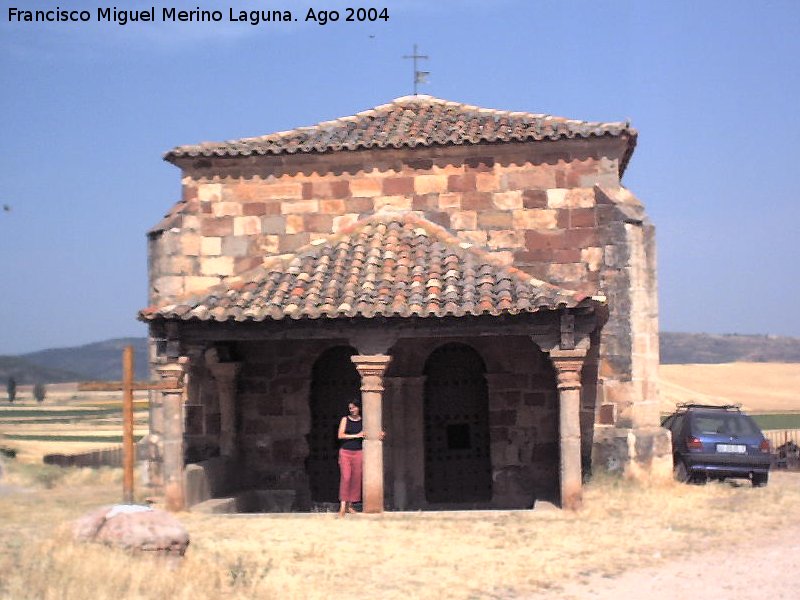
[642, 454]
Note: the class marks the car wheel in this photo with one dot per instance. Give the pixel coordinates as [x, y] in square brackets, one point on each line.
[760, 479]
[680, 471]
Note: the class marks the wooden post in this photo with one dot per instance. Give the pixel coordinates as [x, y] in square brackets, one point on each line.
[128, 457]
[173, 383]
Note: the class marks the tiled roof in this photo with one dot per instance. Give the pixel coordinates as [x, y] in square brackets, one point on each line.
[413, 121]
[389, 265]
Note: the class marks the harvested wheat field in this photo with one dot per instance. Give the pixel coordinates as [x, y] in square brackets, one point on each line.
[758, 387]
[492, 554]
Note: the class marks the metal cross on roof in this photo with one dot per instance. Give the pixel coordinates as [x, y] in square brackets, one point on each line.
[419, 76]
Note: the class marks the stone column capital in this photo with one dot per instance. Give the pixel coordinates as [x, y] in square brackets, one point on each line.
[568, 365]
[371, 368]
[173, 372]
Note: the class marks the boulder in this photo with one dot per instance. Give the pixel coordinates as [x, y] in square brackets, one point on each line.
[133, 527]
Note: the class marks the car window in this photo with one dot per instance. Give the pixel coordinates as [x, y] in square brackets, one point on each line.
[723, 424]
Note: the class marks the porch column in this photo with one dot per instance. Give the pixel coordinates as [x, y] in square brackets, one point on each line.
[568, 365]
[225, 375]
[173, 429]
[371, 369]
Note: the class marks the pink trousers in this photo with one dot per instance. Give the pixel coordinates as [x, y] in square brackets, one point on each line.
[350, 469]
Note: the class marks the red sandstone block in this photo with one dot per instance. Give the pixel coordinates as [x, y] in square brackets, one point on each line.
[495, 219]
[318, 223]
[189, 193]
[308, 190]
[534, 199]
[243, 191]
[545, 240]
[487, 182]
[332, 207]
[217, 227]
[366, 187]
[282, 190]
[295, 224]
[461, 183]
[394, 186]
[541, 177]
[477, 201]
[291, 242]
[582, 217]
[330, 189]
[581, 238]
[566, 255]
[272, 208]
[254, 209]
[359, 205]
[425, 202]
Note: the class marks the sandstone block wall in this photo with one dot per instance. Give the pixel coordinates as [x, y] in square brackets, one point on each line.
[554, 209]
[274, 419]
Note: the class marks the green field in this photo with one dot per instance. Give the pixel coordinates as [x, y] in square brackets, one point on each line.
[69, 412]
[778, 421]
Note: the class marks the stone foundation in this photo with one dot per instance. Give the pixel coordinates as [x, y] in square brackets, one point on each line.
[644, 454]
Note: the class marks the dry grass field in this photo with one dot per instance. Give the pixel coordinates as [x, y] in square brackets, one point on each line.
[758, 387]
[493, 554]
[442, 555]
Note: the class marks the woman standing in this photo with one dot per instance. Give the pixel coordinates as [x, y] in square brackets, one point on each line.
[351, 431]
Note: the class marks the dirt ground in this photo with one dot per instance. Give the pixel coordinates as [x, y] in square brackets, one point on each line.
[769, 568]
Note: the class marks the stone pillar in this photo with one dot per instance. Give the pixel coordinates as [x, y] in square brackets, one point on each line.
[371, 368]
[225, 375]
[568, 365]
[171, 374]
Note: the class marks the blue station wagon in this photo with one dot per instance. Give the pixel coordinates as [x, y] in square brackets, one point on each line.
[717, 442]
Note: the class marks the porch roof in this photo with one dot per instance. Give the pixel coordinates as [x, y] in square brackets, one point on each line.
[389, 264]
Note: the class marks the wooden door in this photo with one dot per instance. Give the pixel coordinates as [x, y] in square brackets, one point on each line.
[457, 459]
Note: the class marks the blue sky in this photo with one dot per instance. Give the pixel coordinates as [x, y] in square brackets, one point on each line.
[88, 109]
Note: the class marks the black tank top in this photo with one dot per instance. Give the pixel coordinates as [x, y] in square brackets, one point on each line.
[351, 428]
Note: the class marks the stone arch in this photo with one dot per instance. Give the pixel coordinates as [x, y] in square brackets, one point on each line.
[334, 382]
[456, 426]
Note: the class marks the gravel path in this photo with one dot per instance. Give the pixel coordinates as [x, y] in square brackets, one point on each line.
[768, 569]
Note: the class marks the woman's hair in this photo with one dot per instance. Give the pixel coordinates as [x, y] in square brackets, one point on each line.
[357, 402]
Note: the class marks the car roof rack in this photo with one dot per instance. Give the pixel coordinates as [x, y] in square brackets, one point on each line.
[687, 405]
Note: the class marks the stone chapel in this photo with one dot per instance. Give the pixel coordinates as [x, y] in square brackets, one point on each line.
[480, 278]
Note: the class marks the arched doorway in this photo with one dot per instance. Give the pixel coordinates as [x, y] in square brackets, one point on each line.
[334, 382]
[456, 407]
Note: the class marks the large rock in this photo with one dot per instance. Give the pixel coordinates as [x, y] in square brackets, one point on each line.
[133, 527]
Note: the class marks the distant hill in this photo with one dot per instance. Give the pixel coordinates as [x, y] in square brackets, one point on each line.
[26, 372]
[704, 348]
[97, 361]
[103, 360]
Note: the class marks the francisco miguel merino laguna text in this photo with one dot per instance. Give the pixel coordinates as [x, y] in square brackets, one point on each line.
[198, 15]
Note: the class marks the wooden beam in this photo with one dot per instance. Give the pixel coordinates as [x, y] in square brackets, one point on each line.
[128, 456]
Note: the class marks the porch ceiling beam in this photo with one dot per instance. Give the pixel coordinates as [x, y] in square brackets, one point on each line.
[541, 326]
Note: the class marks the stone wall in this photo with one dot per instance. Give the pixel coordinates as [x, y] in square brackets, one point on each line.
[533, 205]
[554, 209]
[273, 400]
